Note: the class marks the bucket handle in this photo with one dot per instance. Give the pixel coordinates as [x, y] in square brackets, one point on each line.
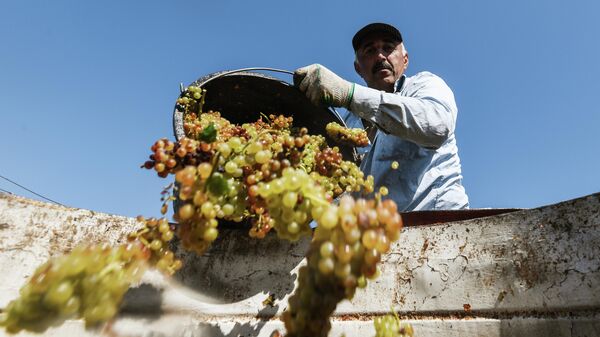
[225, 73]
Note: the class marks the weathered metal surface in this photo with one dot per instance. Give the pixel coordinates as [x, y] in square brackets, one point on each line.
[545, 259]
[31, 231]
[527, 272]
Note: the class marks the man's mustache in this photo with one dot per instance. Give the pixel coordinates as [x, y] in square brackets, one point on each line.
[382, 65]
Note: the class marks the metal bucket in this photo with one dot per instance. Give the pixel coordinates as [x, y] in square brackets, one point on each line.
[241, 95]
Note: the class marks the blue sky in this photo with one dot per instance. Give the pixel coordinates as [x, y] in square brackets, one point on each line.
[86, 87]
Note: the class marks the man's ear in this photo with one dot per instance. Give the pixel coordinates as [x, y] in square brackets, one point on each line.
[357, 68]
[405, 61]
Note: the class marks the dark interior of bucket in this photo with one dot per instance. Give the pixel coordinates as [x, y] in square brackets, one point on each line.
[242, 97]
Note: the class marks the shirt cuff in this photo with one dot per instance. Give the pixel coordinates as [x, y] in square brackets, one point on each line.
[365, 102]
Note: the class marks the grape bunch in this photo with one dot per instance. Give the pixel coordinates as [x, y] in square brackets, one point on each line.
[169, 157]
[328, 161]
[347, 245]
[88, 283]
[339, 176]
[198, 127]
[391, 326]
[197, 214]
[343, 135]
[191, 99]
[290, 202]
[156, 235]
[280, 121]
[225, 171]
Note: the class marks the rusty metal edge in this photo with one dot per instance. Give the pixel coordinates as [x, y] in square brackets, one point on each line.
[422, 218]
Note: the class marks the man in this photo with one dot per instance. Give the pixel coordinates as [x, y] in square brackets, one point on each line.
[415, 119]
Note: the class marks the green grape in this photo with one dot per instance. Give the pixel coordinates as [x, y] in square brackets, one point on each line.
[186, 212]
[228, 209]
[253, 148]
[278, 186]
[262, 156]
[231, 167]
[327, 249]
[235, 143]
[391, 326]
[58, 294]
[329, 218]
[293, 228]
[369, 239]
[204, 170]
[225, 149]
[289, 199]
[211, 234]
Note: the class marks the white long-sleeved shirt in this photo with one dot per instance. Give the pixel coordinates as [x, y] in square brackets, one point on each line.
[415, 128]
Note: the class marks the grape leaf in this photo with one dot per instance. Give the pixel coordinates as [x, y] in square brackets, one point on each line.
[217, 184]
[209, 134]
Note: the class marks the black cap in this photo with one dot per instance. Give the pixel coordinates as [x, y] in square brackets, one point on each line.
[375, 27]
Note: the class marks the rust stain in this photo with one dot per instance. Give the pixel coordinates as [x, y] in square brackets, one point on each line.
[527, 264]
[425, 245]
[406, 315]
[501, 296]
[352, 317]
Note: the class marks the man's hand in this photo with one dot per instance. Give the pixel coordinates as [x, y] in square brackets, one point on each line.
[322, 86]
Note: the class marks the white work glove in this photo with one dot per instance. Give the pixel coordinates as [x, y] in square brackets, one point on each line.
[322, 86]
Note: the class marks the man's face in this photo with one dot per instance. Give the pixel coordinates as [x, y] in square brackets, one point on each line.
[380, 61]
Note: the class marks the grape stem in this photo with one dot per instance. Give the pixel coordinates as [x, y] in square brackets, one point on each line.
[377, 199]
[316, 199]
[268, 119]
[212, 171]
[201, 103]
[395, 314]
[113, 266]
[142, 231]
[142, 239]
[257, 137]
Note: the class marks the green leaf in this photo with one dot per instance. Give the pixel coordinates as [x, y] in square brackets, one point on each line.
[217, 184]
[209, 134]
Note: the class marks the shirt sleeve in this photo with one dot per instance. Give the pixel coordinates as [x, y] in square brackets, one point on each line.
[425, 116]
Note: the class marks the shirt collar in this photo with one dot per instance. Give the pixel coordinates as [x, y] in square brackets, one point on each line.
[399, 83]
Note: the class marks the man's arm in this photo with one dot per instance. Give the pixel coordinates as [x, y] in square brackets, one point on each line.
[427, 117]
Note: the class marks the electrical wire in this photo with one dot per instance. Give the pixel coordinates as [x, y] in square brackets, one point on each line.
[5, 191]
[25, 188]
